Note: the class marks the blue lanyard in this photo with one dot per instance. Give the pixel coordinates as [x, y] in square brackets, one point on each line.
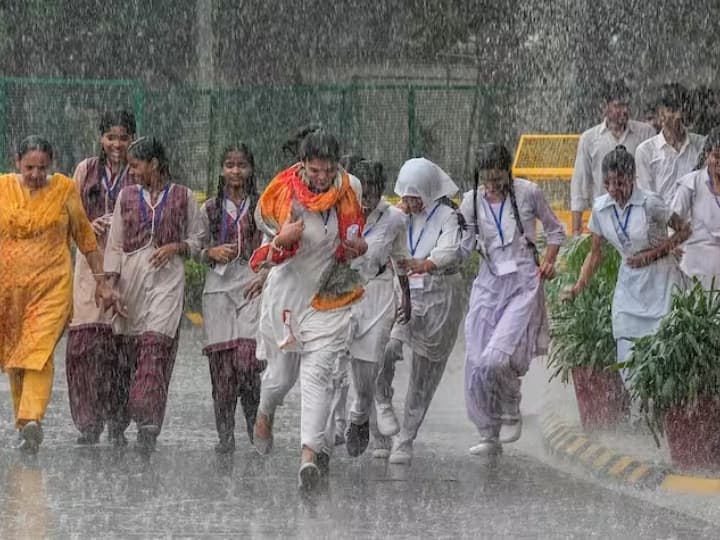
[414, 246]
[623, 226]
[369, 229]
[223, 227]
[157, 216]
[497, 220]
[112, 191]
[325, 217]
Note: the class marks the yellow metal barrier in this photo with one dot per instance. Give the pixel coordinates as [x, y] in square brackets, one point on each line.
[549, 160]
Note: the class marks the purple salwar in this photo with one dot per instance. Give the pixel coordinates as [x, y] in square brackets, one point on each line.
[89, 360]
[504, 330]
[151, 378]
[234, 372]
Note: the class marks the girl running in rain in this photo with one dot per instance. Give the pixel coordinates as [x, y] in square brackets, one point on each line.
[231, 306]
[39, 212]
[506, 323]
[697, 200]
[312, 219]
[373, 316]
[91, 356]
[635, 222]
[437, 302]
[155, 224]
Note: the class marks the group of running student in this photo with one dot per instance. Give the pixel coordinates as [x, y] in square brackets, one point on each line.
[641, 184]
[318, 277]
[315, 277]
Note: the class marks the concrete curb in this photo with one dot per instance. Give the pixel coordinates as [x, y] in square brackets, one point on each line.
[569, 443]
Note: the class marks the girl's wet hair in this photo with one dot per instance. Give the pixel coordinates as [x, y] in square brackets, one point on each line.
[119, 118]
[251, 191]
[291, 147]
[109, 120]
[149, 148]
[348, 161]
[711, 141]
[618, 161]
[319, 145]
[491, 156]
[371, 173]
[34, 143]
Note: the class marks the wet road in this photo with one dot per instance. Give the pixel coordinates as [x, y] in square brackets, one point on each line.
[185, 490]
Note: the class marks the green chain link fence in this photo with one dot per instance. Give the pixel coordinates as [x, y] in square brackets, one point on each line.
[385, 122]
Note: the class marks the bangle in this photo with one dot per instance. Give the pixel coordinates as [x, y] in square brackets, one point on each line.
[274, 245]
[100, 274]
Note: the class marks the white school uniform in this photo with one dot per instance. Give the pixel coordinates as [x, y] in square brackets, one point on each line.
[696, 202]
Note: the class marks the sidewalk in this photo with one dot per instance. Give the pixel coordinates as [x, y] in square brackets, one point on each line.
[628, 454]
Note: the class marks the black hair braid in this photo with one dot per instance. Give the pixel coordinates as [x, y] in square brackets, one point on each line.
[251, 192]
[513, 202]
[516, 214]
[216, 217]
[95, 190]
[700, 161]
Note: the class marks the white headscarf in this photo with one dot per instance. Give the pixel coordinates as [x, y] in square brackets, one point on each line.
[420, 177]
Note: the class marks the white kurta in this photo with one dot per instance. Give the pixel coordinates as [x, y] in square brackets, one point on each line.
[595, 143]
[642, 295]
[373, 316]
[289, 289]
[696, 202]
[154, 296]
[437, 298]
[659, 165]
[227, 314]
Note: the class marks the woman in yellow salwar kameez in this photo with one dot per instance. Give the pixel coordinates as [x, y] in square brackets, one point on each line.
[39, 214]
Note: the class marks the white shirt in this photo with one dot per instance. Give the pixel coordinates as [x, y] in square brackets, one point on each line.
[642, 295]
[386, 237]
[695, 202]
[595, 143]
[659, 165]
[435, 234]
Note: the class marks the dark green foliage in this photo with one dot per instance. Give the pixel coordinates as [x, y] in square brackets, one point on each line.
[581, 330]
[680, 363]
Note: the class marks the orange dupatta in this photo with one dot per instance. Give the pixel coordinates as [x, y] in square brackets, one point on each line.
[275, 208]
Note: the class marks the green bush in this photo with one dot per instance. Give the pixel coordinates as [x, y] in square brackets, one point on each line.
[680, 363]
[581, 330]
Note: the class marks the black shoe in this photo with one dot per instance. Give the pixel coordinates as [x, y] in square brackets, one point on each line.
[322, 460]
[357, 438]
[146, 439]
[88, 438]
[226, 445]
